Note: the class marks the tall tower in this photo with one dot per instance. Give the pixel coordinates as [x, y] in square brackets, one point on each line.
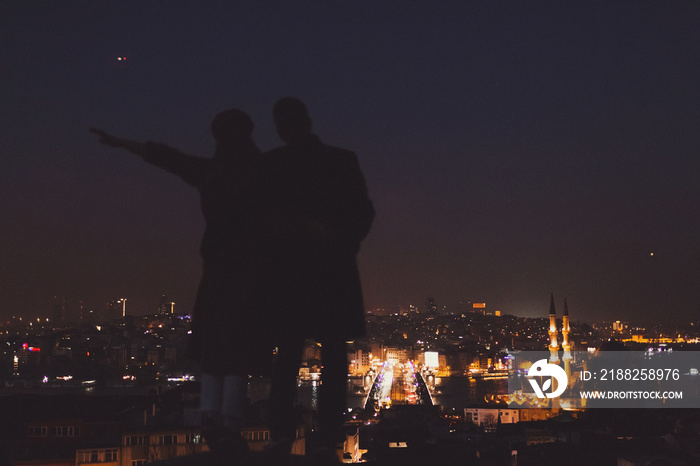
[57, 313]
[566, 343]
[553, 345]
[166, 305]
[432, 306]
[61, 311]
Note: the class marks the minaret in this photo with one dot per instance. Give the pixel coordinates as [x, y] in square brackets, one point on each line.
[566, 344]
[553, 345]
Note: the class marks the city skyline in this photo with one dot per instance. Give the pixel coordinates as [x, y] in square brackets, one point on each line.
[91, 390]
[511, 151]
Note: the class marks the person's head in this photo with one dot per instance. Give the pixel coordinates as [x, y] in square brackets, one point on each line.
[291, 119]
[232, 128]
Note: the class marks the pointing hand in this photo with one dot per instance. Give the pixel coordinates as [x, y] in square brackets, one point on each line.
[108, 139]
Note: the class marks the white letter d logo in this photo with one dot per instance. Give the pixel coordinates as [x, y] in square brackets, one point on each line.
[543, 369]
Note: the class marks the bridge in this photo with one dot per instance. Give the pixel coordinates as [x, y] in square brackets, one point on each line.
[398, 384]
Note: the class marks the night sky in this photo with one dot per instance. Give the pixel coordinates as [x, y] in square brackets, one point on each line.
[512, 149]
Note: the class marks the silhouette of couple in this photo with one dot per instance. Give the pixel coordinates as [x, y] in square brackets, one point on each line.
[283, 229]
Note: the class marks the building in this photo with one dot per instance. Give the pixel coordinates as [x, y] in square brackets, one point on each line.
[56, 441]
[394, 355]
[359, 361]
[489, 418]
[431, 306]
[141, 447]
[166, 306]
[351, 447]
[259, 437]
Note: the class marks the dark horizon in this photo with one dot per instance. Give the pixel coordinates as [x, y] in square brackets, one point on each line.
[510, 151]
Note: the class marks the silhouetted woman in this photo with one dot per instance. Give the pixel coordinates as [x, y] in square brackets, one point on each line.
[225, 318]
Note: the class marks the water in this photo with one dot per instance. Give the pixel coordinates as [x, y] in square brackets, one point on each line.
[461, 392]
[452, 392]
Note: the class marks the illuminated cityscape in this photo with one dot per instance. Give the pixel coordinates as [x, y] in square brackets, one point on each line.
[446, 369]
[533, 168]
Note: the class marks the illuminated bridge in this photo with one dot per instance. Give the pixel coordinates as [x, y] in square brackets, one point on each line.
[398, 384]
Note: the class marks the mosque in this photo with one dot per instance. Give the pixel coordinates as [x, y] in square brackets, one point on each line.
[566, 343]
[562, 354]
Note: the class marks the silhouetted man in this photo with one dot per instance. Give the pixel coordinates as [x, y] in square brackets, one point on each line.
[319, 212]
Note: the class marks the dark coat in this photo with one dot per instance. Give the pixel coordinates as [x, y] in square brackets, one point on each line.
[317, 212]
[225, 316]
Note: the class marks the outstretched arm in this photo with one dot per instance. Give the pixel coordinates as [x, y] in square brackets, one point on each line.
[113, 141]
[188, 167]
